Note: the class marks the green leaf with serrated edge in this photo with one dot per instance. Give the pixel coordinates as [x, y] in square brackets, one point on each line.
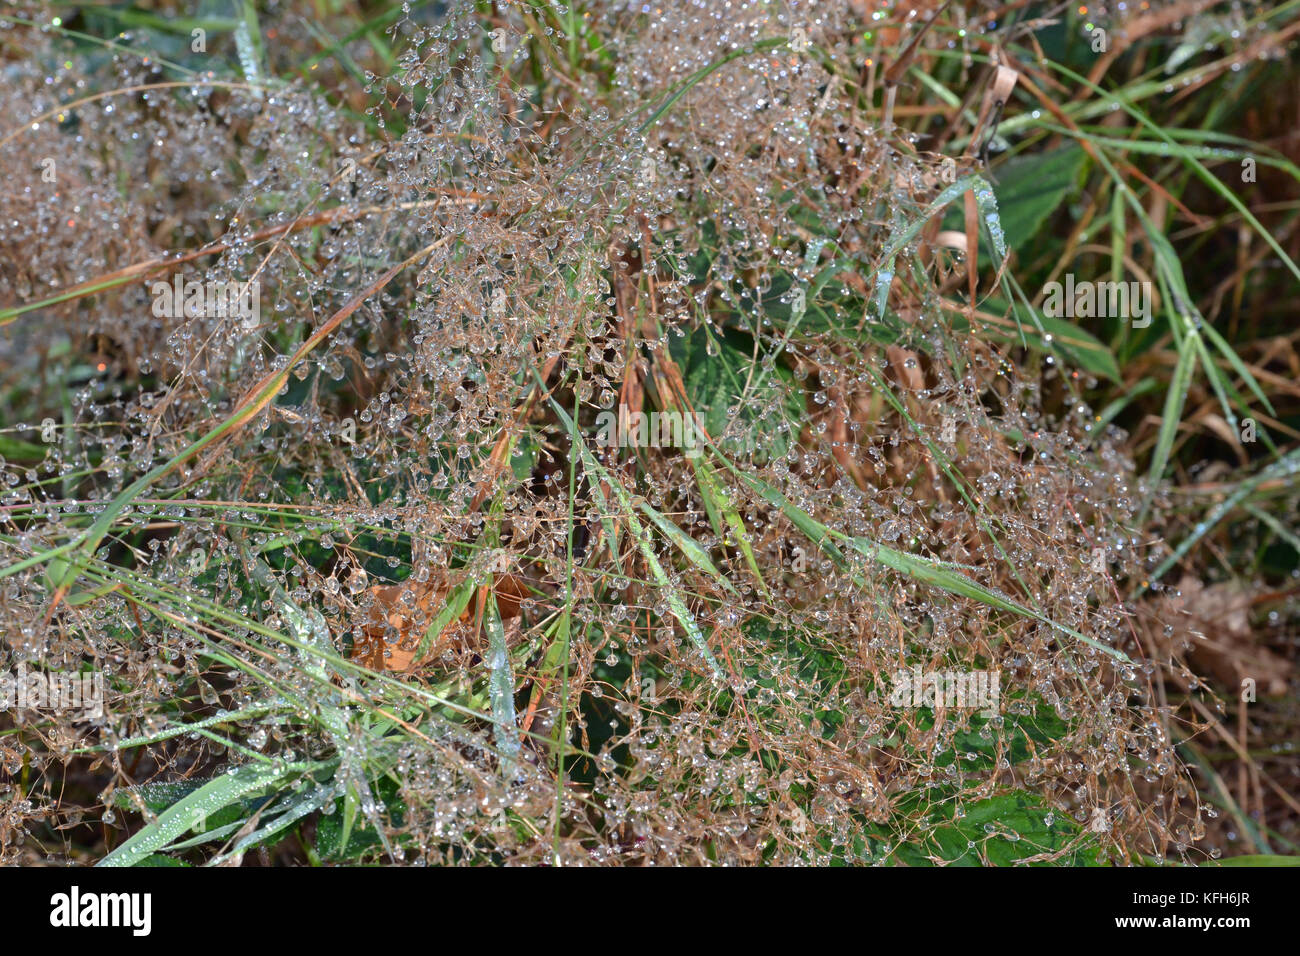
[1031, 186]
[1073, 342]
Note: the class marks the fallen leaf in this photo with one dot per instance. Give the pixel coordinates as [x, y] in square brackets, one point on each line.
[1217, 623]
[408, 608]
[906, 367]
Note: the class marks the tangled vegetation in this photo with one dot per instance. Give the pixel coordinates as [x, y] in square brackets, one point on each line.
[621, 433]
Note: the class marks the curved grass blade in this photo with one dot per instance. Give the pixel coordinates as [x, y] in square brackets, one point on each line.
[306, 804]
[192, 810]
[925, 570]
[501, 690]
[672, 593]
[686, 545]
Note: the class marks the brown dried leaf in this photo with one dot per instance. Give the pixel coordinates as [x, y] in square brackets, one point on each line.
[906, 367]
[1218, 624]
[408, 616]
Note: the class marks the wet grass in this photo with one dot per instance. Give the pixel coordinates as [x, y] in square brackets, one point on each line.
[366, 581]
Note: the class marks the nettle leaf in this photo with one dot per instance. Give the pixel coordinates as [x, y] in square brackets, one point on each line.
[1004, 830]
[1068, 339]
[524, 457]
[1020, 731]
[1032, 186]
[336, 841]
[829, 306]
[1029, 188]
[716, 369]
